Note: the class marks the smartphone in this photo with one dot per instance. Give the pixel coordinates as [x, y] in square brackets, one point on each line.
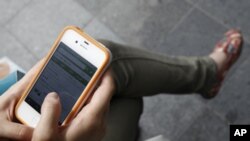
[72, 69]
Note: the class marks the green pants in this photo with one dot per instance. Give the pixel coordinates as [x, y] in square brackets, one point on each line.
[138, 72]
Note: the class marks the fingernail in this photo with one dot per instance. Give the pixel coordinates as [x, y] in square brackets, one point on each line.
[53, 95]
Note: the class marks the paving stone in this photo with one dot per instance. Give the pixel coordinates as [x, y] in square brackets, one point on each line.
[38, 25]
[196, 35]
[169, 115]
[143, 23]
[94, 6]
[12, 48]
[100, 31]
[8, 9]
[233, 100]
[149, 24]
[230, 12]
[207, 127]
[193, 1]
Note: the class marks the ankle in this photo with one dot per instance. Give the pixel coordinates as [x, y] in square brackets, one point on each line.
[219, 58]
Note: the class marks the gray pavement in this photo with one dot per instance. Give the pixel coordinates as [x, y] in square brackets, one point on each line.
[177, 27]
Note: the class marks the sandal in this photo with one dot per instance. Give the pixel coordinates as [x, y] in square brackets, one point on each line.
[231, 45]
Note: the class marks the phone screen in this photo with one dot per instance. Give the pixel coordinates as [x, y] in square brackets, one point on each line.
[67, 74]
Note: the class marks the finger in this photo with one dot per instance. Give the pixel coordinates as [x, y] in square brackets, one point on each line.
[50, 114]
[15, 131]
[102, 96]
[51, 110]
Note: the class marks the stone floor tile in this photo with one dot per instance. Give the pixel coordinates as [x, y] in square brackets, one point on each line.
[12, 48]
[143, 23]
[39, 24]
[233, 13]
[169, 26]
[233, 100]
[100, 31]
[196, 35]
[9, 8]
[94, 6]
[194, 2]
[207, 127]
[169, 115]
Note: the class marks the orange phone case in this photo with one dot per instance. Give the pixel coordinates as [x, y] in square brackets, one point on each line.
[92, 83]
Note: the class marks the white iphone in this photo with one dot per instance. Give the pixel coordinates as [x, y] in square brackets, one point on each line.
[72, 69]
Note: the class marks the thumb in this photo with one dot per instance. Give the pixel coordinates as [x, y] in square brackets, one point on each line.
[51, 110]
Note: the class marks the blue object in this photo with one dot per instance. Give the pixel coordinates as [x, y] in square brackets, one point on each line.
[9, 80]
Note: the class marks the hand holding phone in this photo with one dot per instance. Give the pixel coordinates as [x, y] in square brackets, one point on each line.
[89, 124]
[71, 69]
[9, 129]
[93, 114]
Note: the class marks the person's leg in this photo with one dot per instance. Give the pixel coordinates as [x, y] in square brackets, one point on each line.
[139, 72]
[123, 118]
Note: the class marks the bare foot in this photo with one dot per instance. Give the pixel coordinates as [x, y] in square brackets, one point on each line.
[219, 55]
[225, 54]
